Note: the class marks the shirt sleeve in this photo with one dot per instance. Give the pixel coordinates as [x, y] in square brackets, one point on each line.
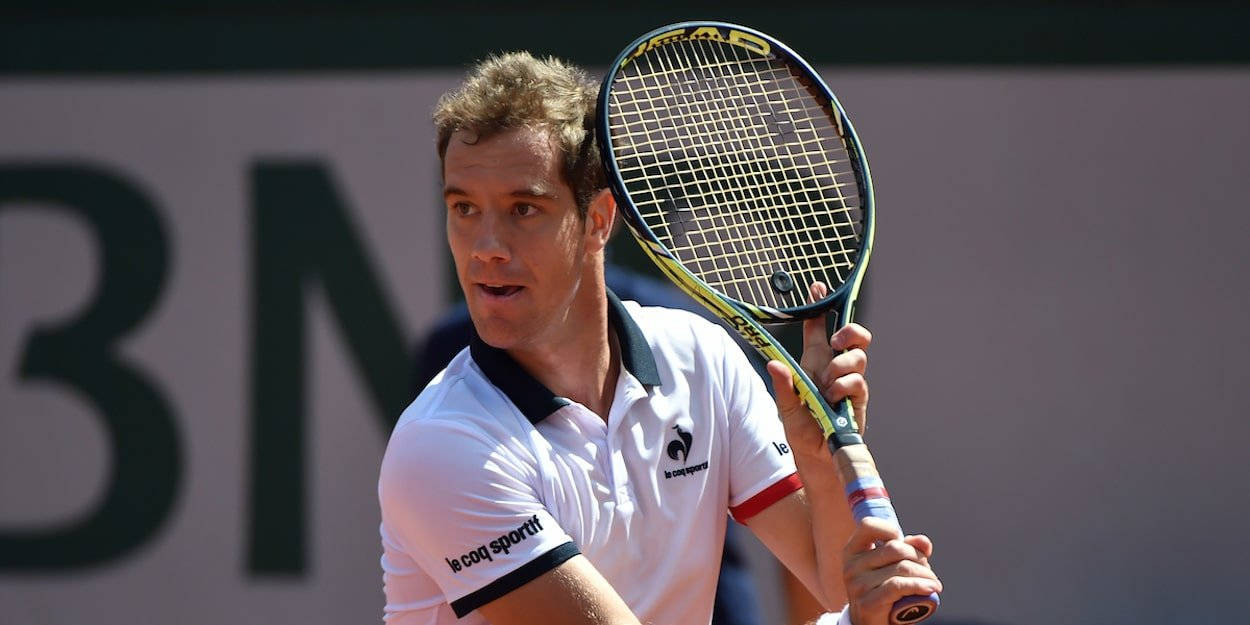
[835, 618]
[463, 508]
[762, 466]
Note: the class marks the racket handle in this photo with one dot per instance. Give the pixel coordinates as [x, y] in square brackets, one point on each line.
[866, 494]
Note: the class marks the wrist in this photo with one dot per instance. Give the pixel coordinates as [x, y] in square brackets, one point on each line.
[817, 468]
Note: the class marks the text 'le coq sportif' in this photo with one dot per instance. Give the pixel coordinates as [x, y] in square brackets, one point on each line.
[503, 545]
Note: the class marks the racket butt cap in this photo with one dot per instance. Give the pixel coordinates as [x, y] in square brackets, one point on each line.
[914, 609]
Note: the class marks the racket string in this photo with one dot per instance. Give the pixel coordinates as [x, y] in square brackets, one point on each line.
[755, 253]
[811, 272]
[740, 94]
[828, 168]
[794, 229]
[712, 271]
[676, 230]
[727, 148]
[732, 129]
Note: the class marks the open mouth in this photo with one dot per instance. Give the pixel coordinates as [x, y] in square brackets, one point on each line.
[500, 290]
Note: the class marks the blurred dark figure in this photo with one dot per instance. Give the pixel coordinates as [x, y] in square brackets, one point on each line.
[736, 602]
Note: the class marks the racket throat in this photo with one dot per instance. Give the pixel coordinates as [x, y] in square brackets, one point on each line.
[842, 439]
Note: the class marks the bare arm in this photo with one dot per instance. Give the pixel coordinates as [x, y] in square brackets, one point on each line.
[808, 530]
[573, 593]
[793, 528]
[868, 566]
[876, 566]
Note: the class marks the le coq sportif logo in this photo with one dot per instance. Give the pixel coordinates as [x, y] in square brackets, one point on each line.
[681, 446]
[679, 450]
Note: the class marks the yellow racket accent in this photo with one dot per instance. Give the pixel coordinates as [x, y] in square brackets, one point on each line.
[748, 329]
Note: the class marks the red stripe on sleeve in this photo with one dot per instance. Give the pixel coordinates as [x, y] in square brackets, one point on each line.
[766, 497]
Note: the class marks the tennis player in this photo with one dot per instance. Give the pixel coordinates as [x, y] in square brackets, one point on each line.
[579, 461]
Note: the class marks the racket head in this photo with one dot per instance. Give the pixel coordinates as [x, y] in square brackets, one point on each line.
[737, 169]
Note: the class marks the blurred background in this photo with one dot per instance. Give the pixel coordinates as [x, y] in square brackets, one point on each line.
[221, 237]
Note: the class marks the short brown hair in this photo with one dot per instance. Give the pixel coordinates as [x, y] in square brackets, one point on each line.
[515, 90]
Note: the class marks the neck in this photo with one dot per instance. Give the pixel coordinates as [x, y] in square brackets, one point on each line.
[582, 361]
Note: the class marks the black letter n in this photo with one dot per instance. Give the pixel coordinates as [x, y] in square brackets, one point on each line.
[302, 231]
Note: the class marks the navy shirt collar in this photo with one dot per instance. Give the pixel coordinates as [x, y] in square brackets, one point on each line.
[536, 401]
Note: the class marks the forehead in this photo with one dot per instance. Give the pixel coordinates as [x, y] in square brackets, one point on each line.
[518, 156]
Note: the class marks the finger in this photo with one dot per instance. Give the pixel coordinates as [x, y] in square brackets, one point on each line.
[869, 532]
[815, 341]
[894, 588]
[860, 584]
[842, 378]
[921, 543]
[851, 336]
[887, 554]
[783, 387]
[852, 361]
[851, 385]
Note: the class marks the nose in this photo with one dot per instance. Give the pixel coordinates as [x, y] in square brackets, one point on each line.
[490, 241]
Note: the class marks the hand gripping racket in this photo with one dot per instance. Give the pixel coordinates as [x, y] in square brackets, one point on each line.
[739, 173]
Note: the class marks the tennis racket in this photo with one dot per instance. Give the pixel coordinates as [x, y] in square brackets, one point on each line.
[737, 170]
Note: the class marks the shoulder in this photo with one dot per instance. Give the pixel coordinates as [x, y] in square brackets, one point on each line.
[680, 334]
[457, 395]
[457, 423]
[663, 324]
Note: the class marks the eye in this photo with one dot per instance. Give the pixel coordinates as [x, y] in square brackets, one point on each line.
[525, 210]
[463, 209]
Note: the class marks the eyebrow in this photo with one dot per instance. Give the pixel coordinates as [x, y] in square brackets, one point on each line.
[536, 191]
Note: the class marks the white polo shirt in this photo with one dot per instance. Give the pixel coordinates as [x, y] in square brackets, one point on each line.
[490, 480]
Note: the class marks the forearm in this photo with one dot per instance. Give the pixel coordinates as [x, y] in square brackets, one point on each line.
[807, 539]
[831, 527]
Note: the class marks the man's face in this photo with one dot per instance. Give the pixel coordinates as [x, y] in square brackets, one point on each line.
[514, 231]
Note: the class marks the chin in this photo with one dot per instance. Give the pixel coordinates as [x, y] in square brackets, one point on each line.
[496, 333]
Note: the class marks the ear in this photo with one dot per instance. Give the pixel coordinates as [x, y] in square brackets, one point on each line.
[600, 217]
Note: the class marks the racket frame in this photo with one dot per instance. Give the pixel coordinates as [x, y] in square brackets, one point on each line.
[865, 491]
[837, 424]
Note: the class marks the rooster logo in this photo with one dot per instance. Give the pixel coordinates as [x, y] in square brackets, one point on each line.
[680, 446]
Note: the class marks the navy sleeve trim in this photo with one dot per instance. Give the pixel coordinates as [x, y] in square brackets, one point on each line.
[510, 582]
